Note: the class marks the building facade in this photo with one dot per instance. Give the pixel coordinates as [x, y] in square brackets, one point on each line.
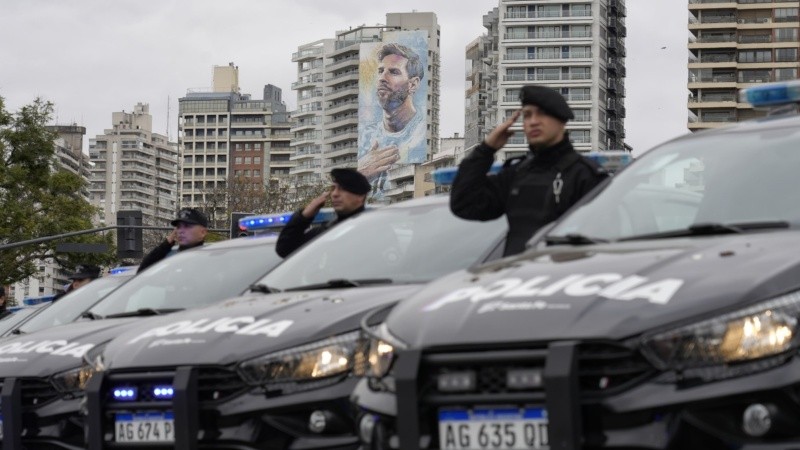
[134, 169]
[733, 45]
[575, 47]
[325, 123]
[229, 137]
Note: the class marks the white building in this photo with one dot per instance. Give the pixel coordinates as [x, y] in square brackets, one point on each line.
[733, 46]
[575, 47]
[325, 124]
[134, 169]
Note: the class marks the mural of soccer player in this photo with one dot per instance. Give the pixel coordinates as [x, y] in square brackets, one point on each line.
[397, 136]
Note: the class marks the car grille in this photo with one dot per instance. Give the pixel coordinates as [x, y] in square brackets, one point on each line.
[214, 384]
[603, 369]
[37, 392]
[218, 383]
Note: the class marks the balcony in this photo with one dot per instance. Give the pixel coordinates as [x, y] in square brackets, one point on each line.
[401, 190]
[555, 56]
[344, 163]
[310, 53]
[308, 167]
[304, 153]
[401, 172]
[547, 15]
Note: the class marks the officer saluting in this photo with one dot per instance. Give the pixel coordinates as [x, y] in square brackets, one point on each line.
[532, 190]
[348, 195]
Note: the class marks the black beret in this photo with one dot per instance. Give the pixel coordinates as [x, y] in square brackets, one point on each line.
[190, 216]
[84, 271]
[548, 100]
[351, 180]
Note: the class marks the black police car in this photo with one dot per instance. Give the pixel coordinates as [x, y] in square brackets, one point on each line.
[269, 371]
[43, 373]
[663, 313]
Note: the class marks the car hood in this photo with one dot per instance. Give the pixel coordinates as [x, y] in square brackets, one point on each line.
[248, 326]
[601, 291]
[56, 349]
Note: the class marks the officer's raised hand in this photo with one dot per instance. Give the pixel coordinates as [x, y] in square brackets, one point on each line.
[498, 138]
[315, 205]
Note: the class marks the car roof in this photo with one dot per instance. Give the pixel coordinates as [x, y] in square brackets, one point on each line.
[247, 241]
[747, 126]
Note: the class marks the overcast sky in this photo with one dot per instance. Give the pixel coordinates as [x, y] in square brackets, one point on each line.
[94, 57]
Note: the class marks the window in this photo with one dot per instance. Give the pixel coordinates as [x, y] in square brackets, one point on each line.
[786, 54]
[256, 173]
[755, 56]
[237, 160]
[248, 160]
[257, 160]
[785, 74]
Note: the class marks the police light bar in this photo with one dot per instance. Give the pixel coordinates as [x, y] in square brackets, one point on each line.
[772, 94]
[122, 269]
[611, 160]
[267, 221]
[446, 175]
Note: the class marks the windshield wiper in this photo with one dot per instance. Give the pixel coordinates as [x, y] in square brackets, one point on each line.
[572, 239]
[143, 312]
[91, 316]
[342, 283]
[712, 229]
[263, 288]
[17, 331]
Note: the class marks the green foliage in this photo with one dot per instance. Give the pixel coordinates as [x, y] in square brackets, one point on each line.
[38, 198]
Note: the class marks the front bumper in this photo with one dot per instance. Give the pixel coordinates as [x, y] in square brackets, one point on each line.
[643, 412]
[216, 412]
[36, 416]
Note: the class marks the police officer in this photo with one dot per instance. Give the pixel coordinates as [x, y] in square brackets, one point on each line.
[348, 195]
[3, 307]
[83, 275]
[532, 190]
[191, 228]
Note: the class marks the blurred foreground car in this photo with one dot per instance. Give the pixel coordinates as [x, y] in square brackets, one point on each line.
[273, 369]
[43, 374]
[664, 313]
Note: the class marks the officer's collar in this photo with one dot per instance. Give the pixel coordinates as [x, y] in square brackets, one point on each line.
[551, 154]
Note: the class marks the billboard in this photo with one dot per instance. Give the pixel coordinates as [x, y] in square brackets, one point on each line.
[392, 105]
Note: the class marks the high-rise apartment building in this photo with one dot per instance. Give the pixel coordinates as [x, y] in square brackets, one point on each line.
[227, 137]
[733, 45]
[134, 169]
[326, 121]
[575, 47]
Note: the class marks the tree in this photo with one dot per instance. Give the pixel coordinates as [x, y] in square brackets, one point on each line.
[241, 194]
[39, 198]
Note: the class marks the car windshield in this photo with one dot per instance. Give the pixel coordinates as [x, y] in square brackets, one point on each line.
[10, 322]
[192, 279]
[720, 179]
[71, 306]
[394, 244]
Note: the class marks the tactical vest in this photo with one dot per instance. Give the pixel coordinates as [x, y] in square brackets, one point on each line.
[538, 196]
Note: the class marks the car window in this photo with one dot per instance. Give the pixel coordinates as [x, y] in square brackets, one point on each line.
[70, 307]
[725, 178]
[192, 279]
[12, 321]
[407, 244]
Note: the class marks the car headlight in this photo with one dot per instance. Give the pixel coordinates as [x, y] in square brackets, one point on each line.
[74, 381]
[749, 335]
[321, 359]
[379, 353]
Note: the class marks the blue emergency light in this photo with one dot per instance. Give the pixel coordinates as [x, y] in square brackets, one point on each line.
[122, 269]
[772, 94]
[165, 392]
[268, 221]
[125, 393]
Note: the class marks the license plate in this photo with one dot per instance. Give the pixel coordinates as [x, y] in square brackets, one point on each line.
[493, 428]
[145, 427]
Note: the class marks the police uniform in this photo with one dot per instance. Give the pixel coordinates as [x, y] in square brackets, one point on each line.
[531, 191]
[82, 272]
[165, 249]
[297, 231]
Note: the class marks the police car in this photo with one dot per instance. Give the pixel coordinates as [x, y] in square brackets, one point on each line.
[273, 369]
[43, 373]
[662, 313]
